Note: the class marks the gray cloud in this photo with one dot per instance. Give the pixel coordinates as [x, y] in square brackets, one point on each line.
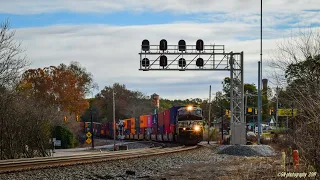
[110, 53]
[177, 6]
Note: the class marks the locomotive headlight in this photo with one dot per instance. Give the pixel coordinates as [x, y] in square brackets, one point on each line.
[184, 129]
[189, 108]
[197, 128]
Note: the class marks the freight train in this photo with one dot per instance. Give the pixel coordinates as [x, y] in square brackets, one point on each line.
[182, 124]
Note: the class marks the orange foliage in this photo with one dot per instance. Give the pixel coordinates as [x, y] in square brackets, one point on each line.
[58, 85]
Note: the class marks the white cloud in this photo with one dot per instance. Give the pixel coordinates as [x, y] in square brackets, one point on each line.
[177, 6]
[110, 53]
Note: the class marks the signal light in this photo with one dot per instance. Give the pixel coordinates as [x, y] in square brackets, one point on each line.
[65, 119]
[199, 62]
[145, 62]
[199, 45]
[182, 45]
[163, 61]
[163, 45]
[182, 62]
[77, 118]
[145, 45]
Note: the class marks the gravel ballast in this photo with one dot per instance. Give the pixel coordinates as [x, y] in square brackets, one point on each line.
[200, 163]
[136, 168]
[247, 150]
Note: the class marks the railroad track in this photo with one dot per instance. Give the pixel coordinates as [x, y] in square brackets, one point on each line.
[46, 162]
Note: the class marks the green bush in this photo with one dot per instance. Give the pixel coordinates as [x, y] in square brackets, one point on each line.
[66, 137]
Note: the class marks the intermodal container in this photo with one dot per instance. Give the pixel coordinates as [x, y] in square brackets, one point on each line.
[137, 130]
[149, 121]
[125, 122]
[154, 129]
[142, 131]
[133, 123]
[173, 114]
[143, 121]
[128, 124]
[133, 131]
[166, 117]
[160, 119]
[160, 130]
[166, 129]
[149, 131]
[137, 122]
[154, 119]
[82, 125]
[172, 128]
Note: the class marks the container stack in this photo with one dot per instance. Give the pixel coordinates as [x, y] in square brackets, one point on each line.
[166, 121]
[173, 118]
[155, 124]
[137, 121]
[160, 123]
[133, 126]
[143, 123]
[149, 124]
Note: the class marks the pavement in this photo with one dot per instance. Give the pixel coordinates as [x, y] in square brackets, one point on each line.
[85, 150]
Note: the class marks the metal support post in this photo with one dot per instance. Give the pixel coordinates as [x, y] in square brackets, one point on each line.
[259, 102]
[209, 122]
[114, 121]
[277, 106]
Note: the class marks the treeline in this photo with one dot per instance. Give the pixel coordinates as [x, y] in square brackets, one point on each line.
[34, 102]
[298, 76]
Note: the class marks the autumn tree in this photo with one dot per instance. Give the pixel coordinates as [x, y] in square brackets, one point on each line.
[128, 103]
[64, 85]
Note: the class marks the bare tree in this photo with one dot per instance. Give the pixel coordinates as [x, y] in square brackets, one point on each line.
[11, 60]
[297, 69]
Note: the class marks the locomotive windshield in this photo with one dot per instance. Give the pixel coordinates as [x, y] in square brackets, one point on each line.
[189, 113]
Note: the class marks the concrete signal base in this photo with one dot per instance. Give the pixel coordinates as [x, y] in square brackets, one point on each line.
[238, 134]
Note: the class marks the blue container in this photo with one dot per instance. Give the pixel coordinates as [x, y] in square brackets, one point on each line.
[154, 119]
[149, 131]
[137, 125]
[137, 130]
[160, 130]
[173, 114]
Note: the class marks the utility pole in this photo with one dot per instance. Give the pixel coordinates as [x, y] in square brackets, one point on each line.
[277, 107]
[259, 102]
[222, 114]
[245, 106]
[114, 121]
[209, 122]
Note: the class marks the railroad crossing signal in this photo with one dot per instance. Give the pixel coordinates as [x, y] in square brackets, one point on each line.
[88, 134]
[88, 140]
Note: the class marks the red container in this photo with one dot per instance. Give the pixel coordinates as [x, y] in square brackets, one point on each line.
[142, 130]
[129, 124]
[160, 119]
[149, 119]
[166, 117]
[154, 130]
[166, 129]
[82, 125]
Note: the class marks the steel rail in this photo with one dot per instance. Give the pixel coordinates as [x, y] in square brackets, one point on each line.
[46, 162]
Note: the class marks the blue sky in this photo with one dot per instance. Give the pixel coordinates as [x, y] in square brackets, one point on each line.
[104, 36]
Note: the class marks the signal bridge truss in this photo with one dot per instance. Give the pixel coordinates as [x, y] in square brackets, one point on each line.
[201, 57]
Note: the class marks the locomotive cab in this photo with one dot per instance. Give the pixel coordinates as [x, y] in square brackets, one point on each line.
[189, 125]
